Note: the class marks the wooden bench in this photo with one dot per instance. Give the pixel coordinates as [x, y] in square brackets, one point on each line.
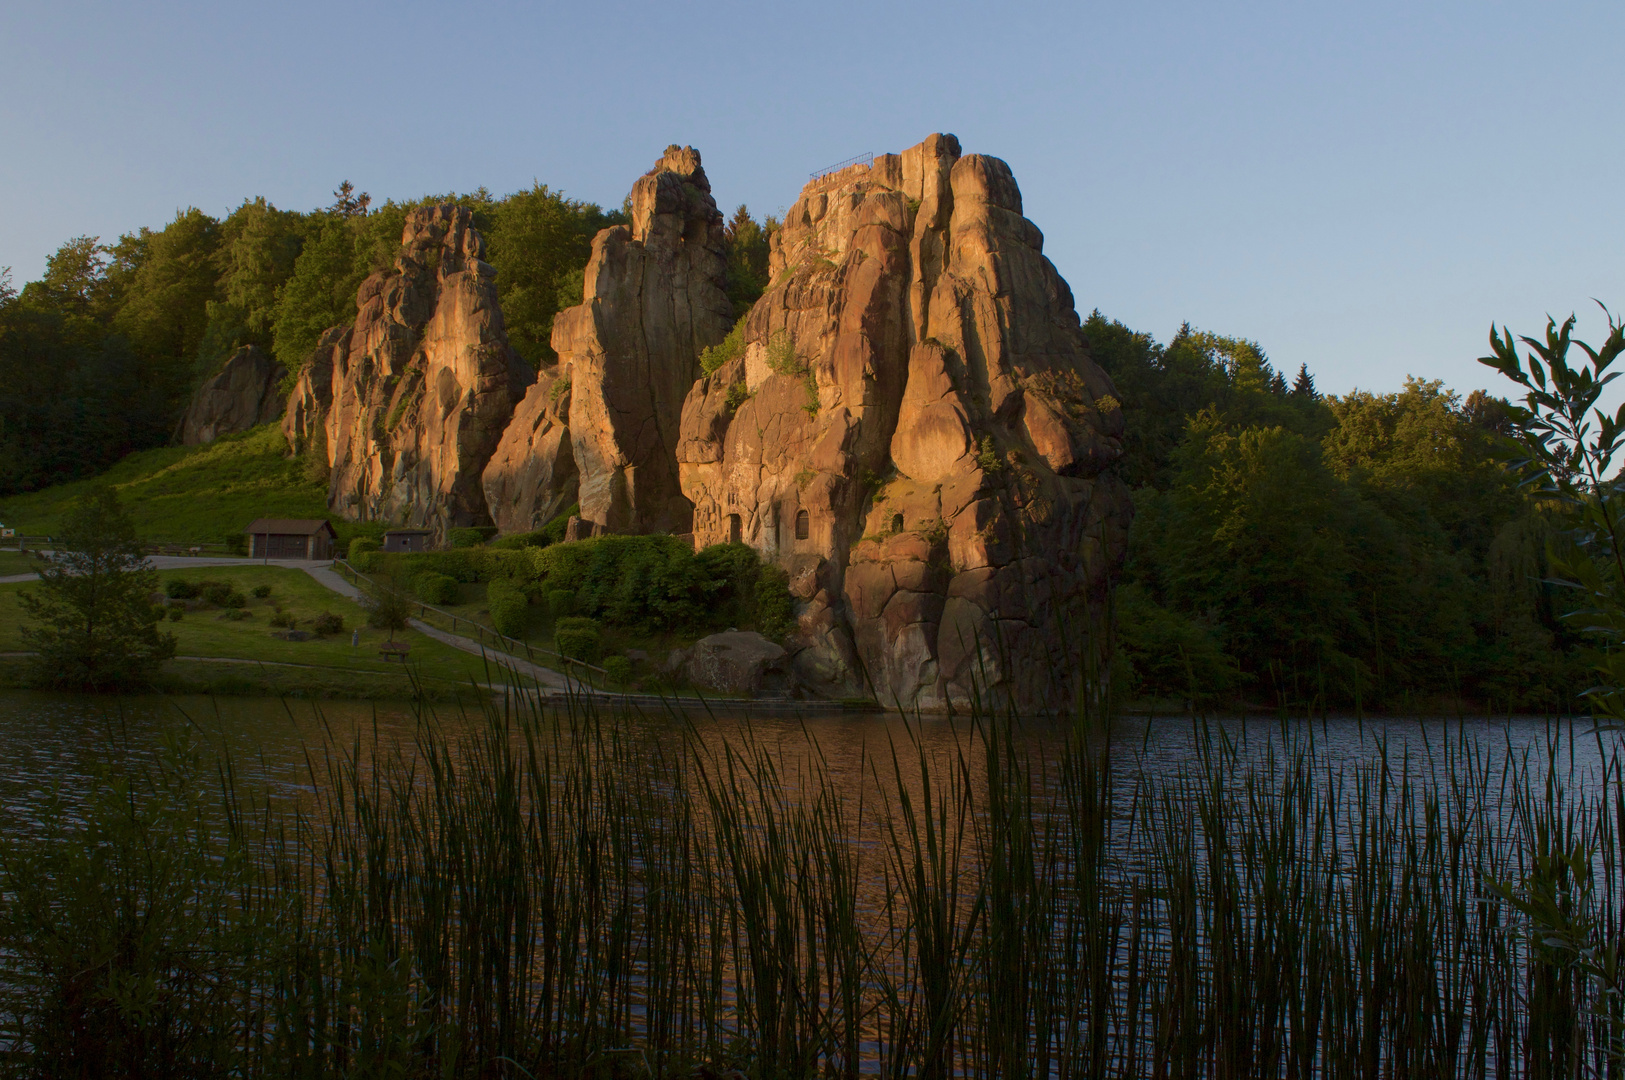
[389, 650]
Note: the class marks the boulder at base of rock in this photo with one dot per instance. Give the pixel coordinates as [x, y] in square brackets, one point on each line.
[739, 662]
[245, 394]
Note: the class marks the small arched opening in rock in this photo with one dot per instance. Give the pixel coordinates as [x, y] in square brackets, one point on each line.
[803, 526]
[734, 531]
[897, 523]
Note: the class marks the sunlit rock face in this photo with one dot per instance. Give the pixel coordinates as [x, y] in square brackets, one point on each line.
[419, 391]
[915, 431]
[655, 298]
[531, 477]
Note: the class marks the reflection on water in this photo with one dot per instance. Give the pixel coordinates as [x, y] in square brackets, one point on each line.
[50, 742]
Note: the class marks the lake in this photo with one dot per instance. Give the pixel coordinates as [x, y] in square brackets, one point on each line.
[861, 893]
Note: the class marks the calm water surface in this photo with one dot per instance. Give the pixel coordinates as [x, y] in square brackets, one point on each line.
[49, 743]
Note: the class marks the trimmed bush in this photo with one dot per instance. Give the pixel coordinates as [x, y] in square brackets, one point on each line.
[217, 593]
[509, 608]
[560, 602]
[363, 545]
[578, 638]
[327, 624]
[235, 600]
[471, 537]
[619, 669]
[176, 614]
[433, 588]
[261, 591]
[282, 619]
[176, 589]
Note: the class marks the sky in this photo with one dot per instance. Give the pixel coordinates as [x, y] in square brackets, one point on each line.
[1362, 188]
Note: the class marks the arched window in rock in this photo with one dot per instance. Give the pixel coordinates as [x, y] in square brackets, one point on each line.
[803, 525]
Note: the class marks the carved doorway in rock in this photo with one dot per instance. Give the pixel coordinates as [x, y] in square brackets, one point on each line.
[734, 531]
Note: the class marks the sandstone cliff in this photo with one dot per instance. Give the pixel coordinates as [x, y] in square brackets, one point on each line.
[532, 476]
[655, 298]
[244, 394]
[915, 430]
[413, 399]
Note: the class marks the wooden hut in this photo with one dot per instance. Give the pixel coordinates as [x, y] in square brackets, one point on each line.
[291, 538]
[406, 540]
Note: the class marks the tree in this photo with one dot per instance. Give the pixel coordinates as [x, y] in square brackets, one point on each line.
[540, 242]
[1304, 385]
[346, 203]
[93, 625]
[1570, 446]
[391, 609]
[748, 248]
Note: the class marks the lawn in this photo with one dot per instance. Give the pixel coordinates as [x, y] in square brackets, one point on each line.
[189, 494]
[16, 562]
[331, 662]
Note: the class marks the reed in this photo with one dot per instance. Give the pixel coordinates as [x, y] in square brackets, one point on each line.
[530, 891]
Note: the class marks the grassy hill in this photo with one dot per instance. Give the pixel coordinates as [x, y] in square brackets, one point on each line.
[190, 494]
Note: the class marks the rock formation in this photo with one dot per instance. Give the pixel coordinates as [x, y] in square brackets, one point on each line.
[912, 426]
[420, 389]
[532, 476]
[916, 432]
[655, 298]
[245, 394]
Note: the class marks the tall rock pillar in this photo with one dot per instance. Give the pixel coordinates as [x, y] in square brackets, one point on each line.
[655, 298]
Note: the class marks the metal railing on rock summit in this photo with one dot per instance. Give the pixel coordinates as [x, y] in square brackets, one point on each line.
[861, 159]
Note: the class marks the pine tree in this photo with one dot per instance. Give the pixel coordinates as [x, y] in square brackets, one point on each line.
[94, 628]
[1304, 385]
[346, 203]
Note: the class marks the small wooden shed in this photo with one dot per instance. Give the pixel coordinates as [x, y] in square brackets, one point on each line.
[406, 540]
[291, 538]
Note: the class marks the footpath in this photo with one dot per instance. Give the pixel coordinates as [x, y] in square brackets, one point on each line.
[548, 683]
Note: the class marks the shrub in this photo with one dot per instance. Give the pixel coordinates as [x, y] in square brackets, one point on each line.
[176, 614]
[368, 562]
[235, 599]
[282, 618]
[775, 607]
[578, 638]
[509, 608]
[176, 589]
[729, 348]
[327, 624]
[560, 602]
[262, 591]
[619, 669]
[217, 593]
[551, 533]
[362, 546]
[471, 537]
[433, 588]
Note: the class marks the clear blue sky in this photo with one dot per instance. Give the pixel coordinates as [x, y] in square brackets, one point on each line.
[1362, 187]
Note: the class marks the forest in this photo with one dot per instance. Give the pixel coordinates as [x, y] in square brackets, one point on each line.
[1289, 548]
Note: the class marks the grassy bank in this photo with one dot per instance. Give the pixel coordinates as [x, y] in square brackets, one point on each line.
[581, 895]
[323, 666]
[196, 494]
